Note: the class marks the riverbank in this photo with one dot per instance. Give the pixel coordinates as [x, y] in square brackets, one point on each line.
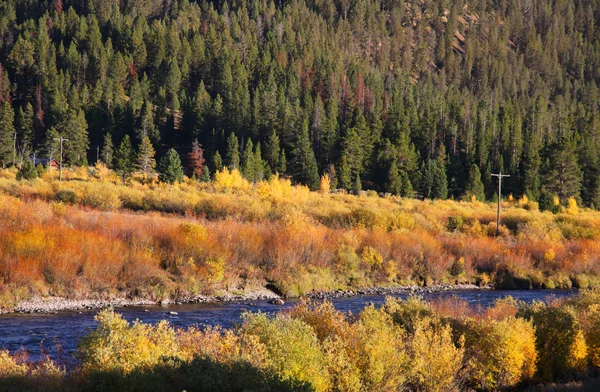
[50, 305]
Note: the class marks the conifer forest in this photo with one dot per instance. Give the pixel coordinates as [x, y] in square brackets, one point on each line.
[423, 98]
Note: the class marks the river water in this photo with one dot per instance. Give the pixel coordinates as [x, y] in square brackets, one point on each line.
[56, 335]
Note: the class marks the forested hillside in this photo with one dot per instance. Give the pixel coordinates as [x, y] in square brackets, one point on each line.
[415, 97]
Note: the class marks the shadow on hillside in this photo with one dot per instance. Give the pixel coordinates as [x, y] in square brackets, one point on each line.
[174, 375]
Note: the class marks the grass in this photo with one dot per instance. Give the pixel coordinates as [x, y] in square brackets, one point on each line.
[91, 236]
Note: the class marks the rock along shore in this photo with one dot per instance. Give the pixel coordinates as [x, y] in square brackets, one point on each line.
[51, 305]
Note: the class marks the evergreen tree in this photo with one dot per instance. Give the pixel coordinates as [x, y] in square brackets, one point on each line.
[27, 171]
[433, 180]
[233, 152]
[259, 164]
[394, 180]
[170, 167]
[7, 132]
[272, 150]
[107, 151]
[440, 182]
[217, 162]
[561, 172]
[146, 126]
[205, 177]
[532, 166]
[248, 165]
[407, 188]
[75, 128]
[282, 168]
[304, 164]
[474, 185]
[145, 158]
[357, 185]
[344, 175]
[124, 161]
[26, 130]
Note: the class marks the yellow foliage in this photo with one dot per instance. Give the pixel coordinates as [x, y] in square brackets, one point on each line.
[292, 347]
[278, 188]
[222, 346]
[382, 359]
[435, 359]
[214, 270]
[119, 346]
[560, 342]
[372, 257]
[591, 326]
[325, 184]
[10, 367]
[500, 353]
[572, 208]
[225, 179]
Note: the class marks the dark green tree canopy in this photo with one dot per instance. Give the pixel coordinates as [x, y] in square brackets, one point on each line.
[378, 84]
[170, 168]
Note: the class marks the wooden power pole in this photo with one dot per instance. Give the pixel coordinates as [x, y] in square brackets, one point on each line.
[500, 176]
[61, 140]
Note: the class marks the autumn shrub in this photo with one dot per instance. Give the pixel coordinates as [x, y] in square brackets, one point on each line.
[435, 358]
[10, 367]
[559, 340]
[501, 353]
[117, 345]
[292, 348]
[102, 196]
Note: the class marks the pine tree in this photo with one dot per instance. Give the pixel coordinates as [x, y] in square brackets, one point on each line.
[196, 160]
[145, 158]
[27, 171]
[357, 185]
[26, 130]
[532, 166]
[124, 161]
[205, 177]
[170, 168]
[259, 164]
[107, 151]
[474, 185]
[75, 128]
[248, 165]
[440, 182]
[146, 126]
[7, 132]
[282, 168]
[272, 150]
[344, 175]
[407, 188]
[217, 162]
[394, 180]
[304, 164]
[433, 181]
[561, 172]
[233, 152]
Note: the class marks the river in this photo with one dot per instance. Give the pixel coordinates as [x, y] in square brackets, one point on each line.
[56, 335]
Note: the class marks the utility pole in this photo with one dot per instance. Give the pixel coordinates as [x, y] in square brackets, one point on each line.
[61, 140]
[500, 176]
